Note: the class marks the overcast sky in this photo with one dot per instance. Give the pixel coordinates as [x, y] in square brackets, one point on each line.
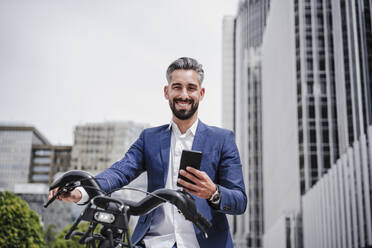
[70, 62]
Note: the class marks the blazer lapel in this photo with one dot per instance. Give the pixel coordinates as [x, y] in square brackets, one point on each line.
[199, 143]
[200, 137]
[165, 140]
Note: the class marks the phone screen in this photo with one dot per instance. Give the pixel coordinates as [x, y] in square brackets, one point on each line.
[189, 158]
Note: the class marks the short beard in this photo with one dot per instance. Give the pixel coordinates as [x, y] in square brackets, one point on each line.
[183, 114]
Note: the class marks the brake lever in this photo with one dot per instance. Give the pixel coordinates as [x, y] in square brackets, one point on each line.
[65, 189]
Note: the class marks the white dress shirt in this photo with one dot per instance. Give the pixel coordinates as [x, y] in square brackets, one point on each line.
[168, 226]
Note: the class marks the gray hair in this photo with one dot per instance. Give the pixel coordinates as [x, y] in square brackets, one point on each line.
[186, 63]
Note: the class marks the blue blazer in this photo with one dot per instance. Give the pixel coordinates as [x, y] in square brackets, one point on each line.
[220, 161]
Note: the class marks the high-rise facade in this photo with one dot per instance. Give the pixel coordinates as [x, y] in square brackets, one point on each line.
[280, 146]
[316, 111]
[316, 97]
[249, 26]
[337, 210]
[352, 36]
[343, 196]
[15, 153]
[99, 145]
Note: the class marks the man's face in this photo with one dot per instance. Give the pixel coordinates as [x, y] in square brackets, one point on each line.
[184, 93]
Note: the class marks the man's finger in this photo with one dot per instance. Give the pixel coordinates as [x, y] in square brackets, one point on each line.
[52, 193]
[197, 173]
[190, 176]
[188, 185]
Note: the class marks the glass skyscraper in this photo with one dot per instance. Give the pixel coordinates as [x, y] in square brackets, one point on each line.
[302, 118]
[320, 63]
[248, 31]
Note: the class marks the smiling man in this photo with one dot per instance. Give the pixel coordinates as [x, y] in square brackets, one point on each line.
[218, 186]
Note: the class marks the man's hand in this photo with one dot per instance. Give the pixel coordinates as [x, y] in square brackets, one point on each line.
[73, 196]
[204, 187]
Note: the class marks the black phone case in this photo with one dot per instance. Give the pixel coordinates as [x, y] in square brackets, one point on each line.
[189, 158]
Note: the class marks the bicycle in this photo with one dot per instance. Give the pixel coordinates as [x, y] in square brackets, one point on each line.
[113, 213]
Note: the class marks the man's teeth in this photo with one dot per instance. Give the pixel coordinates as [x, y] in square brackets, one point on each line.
[183, 104]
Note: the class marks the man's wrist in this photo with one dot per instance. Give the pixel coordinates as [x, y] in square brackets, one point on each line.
[216, 197]
[214, 192]
[84, 196]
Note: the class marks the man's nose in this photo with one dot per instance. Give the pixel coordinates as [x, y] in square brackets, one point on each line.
[184, 94]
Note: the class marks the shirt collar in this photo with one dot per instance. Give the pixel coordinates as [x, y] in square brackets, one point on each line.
[192, 130]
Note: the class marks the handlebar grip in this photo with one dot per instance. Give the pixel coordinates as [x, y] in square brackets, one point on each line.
[65, 189]
[59, 192]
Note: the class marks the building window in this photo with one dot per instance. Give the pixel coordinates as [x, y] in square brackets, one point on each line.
[309, 41]
[313, 161]
[321, 64]
[325, 136]
[320, 20]
[323, 87]
[321, 42]
[308, 20]
[324, 112]
[312, 134]
[310, 88]
[311, 113]
[326, 161]
[309, 64]
[299, 112]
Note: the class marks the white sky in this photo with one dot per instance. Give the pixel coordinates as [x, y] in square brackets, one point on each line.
[69, 62]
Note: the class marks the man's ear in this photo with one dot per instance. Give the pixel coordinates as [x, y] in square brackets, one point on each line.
[166, 92]
[202, 92]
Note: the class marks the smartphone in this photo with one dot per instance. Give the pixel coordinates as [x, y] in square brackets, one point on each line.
[189, 158]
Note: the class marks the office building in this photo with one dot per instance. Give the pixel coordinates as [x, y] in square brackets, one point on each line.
[352, 38]
[15, 153]
[243, 114]
[343, 197]
[281, 170]
[99, 145]
[47, 161]
[337, 210]
[316, 105]
[315, 80]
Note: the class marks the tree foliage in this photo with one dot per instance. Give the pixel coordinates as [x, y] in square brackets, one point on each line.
[19, 225]
[50, 235]
[61, 242]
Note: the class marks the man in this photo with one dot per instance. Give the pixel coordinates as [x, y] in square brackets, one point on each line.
[218, 187]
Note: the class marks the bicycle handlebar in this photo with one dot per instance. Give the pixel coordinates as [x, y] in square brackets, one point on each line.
[181, 199]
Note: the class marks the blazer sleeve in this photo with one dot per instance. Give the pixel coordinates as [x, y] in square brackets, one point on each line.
[230, 179]
[125, 170]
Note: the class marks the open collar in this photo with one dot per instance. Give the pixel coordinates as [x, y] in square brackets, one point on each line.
[192, 130]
